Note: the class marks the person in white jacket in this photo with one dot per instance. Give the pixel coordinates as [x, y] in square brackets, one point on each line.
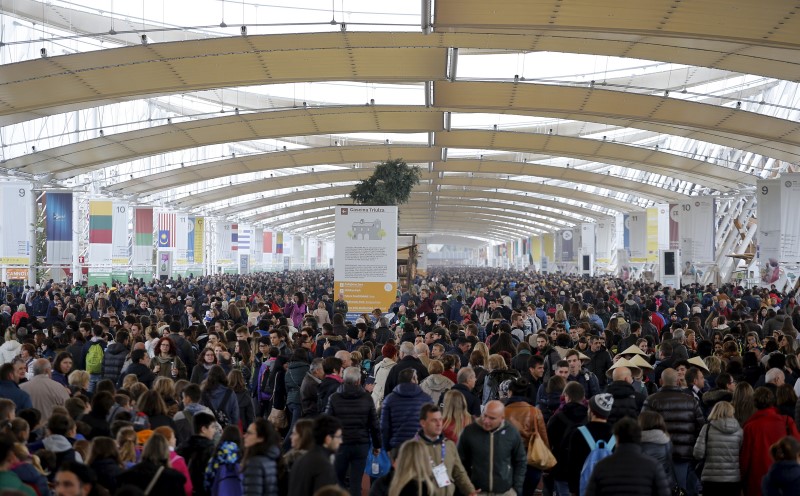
[389, 352]
[10, 349]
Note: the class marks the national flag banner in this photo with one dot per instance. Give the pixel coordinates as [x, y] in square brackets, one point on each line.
[279, 243]
[100, 221]
[245, 234]
[58, 228]
[319, 251]
[198, 243]
[120, 253]
[100, 232]
[167, 230]
[235, 237]
[268, 239]
[143, 236]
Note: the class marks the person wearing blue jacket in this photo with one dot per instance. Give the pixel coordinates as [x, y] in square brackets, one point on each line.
[9, 388]
[400, 411]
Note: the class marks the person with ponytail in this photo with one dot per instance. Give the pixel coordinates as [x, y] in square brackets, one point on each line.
[783, 478]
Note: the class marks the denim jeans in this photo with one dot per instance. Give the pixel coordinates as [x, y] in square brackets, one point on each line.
[295, 411]
[351, 459]
[561, 488]
[93, 380]
[686, 478]
[532, 478]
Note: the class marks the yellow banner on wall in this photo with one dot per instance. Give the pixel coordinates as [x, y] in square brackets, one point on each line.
[652, 235]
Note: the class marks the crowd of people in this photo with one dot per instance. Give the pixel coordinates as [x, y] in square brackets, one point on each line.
[475, 381]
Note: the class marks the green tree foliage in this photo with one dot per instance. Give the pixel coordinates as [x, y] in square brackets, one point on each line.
[390, 184]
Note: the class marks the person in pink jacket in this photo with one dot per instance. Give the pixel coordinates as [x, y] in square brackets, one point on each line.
[176, 461]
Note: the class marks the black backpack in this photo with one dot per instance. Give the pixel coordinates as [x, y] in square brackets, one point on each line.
[219, 411]
[498, 377]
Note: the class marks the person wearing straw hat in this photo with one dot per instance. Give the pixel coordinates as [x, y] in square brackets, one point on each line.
[627, 401]
[642, 376]
[581, 375]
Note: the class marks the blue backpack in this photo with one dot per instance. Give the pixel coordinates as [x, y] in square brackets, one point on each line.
[597, 451]
[227, 481]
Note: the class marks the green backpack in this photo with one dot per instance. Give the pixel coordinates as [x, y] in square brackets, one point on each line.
[94, 359]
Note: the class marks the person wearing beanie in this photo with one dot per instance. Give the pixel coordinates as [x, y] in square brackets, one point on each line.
[600, 406]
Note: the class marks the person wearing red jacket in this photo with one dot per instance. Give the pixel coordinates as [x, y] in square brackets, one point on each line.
[766, 427]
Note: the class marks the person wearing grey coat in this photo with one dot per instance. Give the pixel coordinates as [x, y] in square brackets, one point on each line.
[720, 442]
[656, 443]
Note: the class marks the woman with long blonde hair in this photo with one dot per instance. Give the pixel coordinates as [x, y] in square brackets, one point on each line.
[455, 416]
[413, 472]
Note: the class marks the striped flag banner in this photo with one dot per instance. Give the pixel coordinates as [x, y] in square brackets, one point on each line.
[245, 234]
[267, 241]
[166, 230]
[279, 243]
[100, 233]
[143, 236]
[235, 237]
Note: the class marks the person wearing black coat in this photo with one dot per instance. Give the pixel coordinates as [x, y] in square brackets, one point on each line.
[684, 419]
[140, 367]
[314, 470]
[562, 425]
[170, 481]
[356, 411]
[613, 475]
[408, 359]
[332, 367]
[627, 401]
[473, 403]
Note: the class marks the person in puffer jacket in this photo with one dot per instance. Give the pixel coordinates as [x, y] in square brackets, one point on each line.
[684, 419]
[400, 411]
[627, 401]
[656, 443]
[114, 356]
[720, 442]
[783, 478]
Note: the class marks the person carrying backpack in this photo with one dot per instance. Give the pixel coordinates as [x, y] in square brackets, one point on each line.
[219, 398]
[222, 476]
[589, 444]
[93, 353]
[498, 373]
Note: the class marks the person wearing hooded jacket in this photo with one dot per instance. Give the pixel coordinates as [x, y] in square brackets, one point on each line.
[114, 356]
[10, 348]
[657, 443]
[720, 444]
[435, 385]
